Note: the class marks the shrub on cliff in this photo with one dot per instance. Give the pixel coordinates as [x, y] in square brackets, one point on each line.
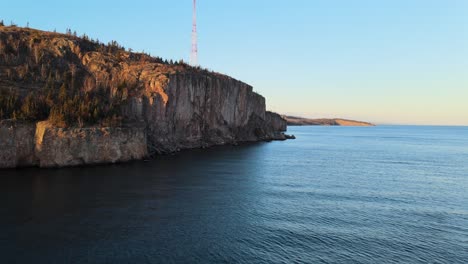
[9, 103]
[86, 108]
[57, 117]
[34, 107]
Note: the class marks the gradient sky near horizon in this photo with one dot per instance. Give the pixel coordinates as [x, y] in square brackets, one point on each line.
[387, 61]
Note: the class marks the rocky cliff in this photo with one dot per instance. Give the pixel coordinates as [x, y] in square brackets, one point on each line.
[204, 110]
[158, 106]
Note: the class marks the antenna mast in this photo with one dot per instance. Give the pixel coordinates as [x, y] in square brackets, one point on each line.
[194, 54]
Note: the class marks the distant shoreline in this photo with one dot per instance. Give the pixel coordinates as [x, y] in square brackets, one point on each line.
[300, 121]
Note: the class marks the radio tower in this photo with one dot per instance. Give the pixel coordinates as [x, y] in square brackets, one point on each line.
[194, 54]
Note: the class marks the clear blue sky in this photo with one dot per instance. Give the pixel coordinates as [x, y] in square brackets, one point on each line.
[386, 61]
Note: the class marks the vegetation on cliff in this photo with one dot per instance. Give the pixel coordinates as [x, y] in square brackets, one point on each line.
[71, 80]
[63, 106]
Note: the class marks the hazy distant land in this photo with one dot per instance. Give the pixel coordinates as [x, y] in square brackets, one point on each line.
[300, 121]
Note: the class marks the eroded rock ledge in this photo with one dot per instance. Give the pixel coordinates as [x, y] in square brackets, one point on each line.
[43, 145]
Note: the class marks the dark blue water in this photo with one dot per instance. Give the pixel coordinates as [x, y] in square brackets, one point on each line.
[390, 194]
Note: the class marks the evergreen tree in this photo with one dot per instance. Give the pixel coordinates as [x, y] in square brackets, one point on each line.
[62, 96]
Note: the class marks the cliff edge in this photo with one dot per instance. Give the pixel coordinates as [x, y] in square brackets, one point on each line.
[68, 100]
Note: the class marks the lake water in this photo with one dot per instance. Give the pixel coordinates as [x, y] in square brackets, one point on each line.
[388, 194]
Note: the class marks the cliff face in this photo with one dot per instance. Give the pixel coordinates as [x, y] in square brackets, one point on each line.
[164, 107]
[43, 145]
[58, 147]
[16, 144]
[200, 110]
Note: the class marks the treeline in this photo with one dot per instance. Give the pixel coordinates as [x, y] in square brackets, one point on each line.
[65, 107]
[113, 47]
[88, 44]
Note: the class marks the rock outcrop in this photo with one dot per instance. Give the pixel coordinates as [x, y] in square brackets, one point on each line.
[165, 107]
[58, 147]
[25, 144]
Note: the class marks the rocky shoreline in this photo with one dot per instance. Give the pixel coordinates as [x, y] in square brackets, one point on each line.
[45, 146]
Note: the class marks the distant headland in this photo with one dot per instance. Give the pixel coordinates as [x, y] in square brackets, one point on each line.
[300, 121]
